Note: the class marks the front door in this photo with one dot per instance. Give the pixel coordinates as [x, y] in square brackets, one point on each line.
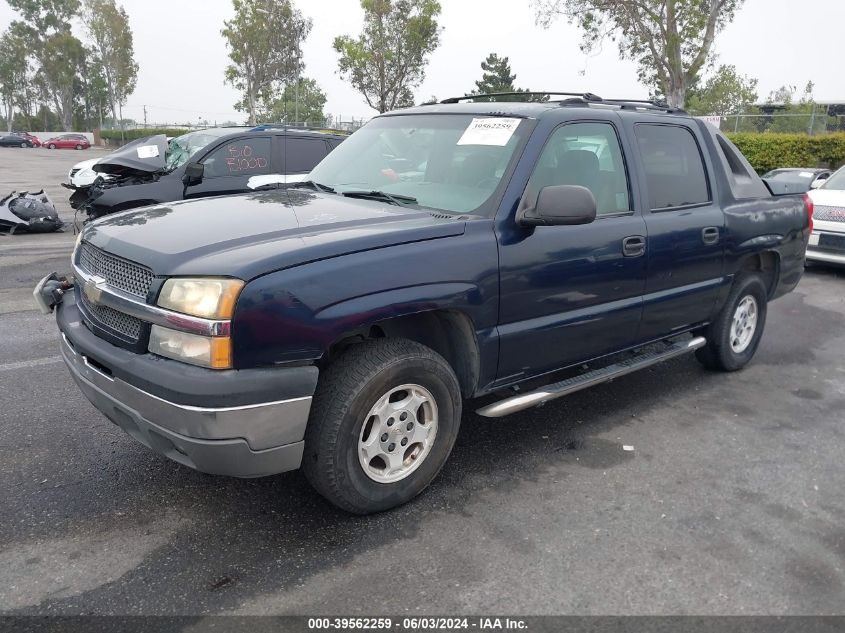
[685, 230]
[572, 293]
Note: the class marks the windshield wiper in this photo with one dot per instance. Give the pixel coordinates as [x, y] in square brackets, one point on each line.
[392, 198]
[313, 185]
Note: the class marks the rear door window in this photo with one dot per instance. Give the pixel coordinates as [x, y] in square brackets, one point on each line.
[673, 166]
[303, 154]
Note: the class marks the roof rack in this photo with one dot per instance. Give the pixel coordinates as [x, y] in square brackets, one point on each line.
[644, 104]
[263, 127]
[579, 99]
[586, 96]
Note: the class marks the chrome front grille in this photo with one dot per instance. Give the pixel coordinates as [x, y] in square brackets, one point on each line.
[127, 326]
[829, 214]
[119, 273]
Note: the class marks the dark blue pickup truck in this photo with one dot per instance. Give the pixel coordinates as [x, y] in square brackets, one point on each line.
[517, 251]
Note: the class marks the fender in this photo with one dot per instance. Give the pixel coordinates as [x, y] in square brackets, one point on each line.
[296, 314]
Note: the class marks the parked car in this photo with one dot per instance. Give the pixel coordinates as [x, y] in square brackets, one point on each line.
[31, 137]
[827, 243]
[67, 141]
[82, 174]
[12, 140]
[200, 164]
[440, 254]
[796, 180]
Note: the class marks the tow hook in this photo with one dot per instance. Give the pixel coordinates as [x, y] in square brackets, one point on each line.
[50, 292]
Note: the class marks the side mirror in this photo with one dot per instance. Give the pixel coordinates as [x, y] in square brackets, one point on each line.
[560, 205]
[817, 183]
[193, 174]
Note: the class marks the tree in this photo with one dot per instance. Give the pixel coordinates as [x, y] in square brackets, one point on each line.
[57, 55]
[389, 57]
[670, 40]
[63, 56]
[726, 92]
[497, 77]
[46, 15]
[265, 45]
[303, 100]
[14, 65]
[111, 36]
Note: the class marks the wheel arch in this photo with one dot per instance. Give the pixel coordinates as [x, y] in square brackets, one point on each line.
[449, 332]
[766, 264]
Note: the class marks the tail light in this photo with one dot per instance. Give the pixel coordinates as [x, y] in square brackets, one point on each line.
[808, 202]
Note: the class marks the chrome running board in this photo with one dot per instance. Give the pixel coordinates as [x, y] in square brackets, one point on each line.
[591, 378]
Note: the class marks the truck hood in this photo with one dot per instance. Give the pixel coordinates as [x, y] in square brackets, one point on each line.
[248, 235]
[142, 156]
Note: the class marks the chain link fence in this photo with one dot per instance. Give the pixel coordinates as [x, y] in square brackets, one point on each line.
[811, 123]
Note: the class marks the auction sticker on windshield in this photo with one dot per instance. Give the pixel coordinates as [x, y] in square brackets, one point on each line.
[489, 131]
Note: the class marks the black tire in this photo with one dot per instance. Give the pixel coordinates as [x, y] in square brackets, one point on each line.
[347, 390]
[718, 354]
[24, 145]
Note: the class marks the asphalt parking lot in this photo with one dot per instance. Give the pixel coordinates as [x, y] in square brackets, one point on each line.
[732, 501]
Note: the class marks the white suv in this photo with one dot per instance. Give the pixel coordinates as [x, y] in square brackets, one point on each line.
[827, 242]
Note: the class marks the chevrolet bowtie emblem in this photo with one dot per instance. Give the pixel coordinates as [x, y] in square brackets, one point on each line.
[92, 289]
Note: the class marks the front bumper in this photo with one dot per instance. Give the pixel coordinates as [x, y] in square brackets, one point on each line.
[246, 439]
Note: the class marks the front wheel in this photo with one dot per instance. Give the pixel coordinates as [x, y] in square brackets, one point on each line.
[734, 335]
[383, 422]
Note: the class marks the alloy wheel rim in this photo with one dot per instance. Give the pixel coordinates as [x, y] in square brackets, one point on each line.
[398, 433]
[744, 324]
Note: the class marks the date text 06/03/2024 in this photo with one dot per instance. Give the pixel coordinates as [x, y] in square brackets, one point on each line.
[418, 624]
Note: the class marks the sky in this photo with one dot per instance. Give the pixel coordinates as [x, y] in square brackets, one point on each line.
[182, 55]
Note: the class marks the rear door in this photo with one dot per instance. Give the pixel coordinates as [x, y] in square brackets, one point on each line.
[229, 166]
[685, 225]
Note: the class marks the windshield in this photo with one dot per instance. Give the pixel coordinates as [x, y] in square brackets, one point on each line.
[836, 181]
[448, 162]
[181, 148]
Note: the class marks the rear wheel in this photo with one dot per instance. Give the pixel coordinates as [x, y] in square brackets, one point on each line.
[24, 145]
[384, 420]
[79, 147]
[51, 146]
[734, 335]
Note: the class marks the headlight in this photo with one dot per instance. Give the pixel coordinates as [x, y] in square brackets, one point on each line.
[206, 351]
[202, 297]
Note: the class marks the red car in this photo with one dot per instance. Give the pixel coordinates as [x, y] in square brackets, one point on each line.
[67, 141]
[33, 139]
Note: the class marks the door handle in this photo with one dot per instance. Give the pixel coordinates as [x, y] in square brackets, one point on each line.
[633, 246]
[710, 234]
